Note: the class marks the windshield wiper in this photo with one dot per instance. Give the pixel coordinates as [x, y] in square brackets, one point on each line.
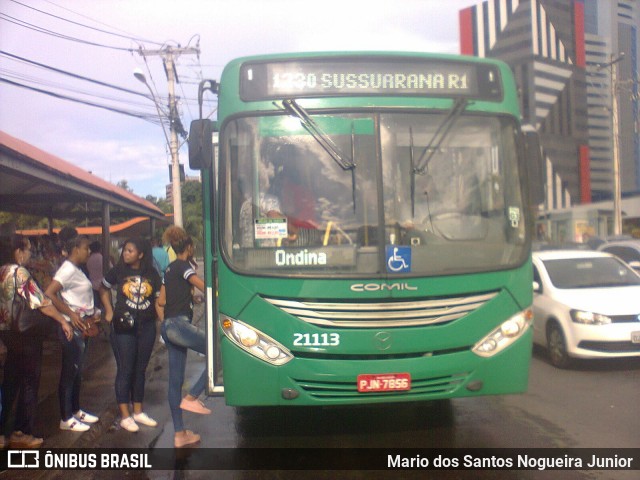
[325, 141]
[419, 167]
[413, 175]
[441, 133]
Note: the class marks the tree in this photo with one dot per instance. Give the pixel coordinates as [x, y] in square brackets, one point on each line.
[124, 185]
[22, 221]
[192, 209]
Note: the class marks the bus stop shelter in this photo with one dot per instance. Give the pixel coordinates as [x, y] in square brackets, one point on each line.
[34, 182]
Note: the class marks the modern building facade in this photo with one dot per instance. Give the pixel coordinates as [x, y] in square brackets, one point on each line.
[556, 49]
[612, 34]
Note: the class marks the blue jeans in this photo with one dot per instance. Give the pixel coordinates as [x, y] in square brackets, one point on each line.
[71, 373]
[132, 352]
[180, 335]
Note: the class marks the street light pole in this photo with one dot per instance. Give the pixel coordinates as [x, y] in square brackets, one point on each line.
[176, 188]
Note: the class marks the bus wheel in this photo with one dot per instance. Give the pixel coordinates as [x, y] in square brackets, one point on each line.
[557, 346]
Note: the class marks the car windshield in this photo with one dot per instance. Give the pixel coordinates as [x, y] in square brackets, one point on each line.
[290, 208]
[590, 273]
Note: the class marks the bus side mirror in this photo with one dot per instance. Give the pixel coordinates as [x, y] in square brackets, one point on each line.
[201, 144]
[534, 165]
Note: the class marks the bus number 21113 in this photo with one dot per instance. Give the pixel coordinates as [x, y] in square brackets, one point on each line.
[316, 339]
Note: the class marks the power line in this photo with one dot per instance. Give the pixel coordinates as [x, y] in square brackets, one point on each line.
[173, 115]
[31, 80]
[30, 26]
[143, 116]
[73, 75]
[21, 76]
[135, 39]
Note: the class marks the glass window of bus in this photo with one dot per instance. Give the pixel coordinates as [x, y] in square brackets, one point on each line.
[465, 212]
[291, 208]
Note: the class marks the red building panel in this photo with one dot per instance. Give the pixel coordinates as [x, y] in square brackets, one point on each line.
[578, 21]
[466, 31]
[585, 174]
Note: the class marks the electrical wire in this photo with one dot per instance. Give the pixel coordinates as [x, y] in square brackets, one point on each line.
[147, 117]
[30, 26]
[73, 75]
[128, 37]
[29, 79]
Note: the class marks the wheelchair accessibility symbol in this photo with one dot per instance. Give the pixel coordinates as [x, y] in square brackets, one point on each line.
[398, 259]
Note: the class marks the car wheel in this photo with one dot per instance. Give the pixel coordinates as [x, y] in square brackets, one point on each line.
[557, 346]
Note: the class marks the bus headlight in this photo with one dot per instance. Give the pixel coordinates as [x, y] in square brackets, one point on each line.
[254, 341]
[503, 336]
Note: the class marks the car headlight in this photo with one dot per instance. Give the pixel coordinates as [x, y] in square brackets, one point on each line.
[589, 318]
[503, 336]
[254, 341]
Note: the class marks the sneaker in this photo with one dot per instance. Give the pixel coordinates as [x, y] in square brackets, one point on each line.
[74, 425]
[195, 406]
[22, 440]
[85, 417]
[144, 419]
[129, 424]
[189, 438]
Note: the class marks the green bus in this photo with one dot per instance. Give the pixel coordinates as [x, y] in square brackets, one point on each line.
[367, 226]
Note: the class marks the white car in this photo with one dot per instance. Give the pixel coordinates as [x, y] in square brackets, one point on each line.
[627, 250]
[586, 305]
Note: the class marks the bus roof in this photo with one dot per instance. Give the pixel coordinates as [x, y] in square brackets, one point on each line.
[233, 96]
[365, 53]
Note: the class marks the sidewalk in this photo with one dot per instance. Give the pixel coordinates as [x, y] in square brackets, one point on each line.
[98, 395]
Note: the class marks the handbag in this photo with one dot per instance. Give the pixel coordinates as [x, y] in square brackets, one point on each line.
[124, 323]
[26, 320]
[91, 327]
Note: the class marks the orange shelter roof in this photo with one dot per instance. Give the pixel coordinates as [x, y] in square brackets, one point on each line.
[134, 227]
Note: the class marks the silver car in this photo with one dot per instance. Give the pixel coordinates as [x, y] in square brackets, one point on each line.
[586, 305]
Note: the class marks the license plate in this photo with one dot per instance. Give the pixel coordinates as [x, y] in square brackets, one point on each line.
[635, 337]
[386, 382]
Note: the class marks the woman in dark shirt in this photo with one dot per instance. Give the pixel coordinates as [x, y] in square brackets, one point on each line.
[180, 334]
[137, 284]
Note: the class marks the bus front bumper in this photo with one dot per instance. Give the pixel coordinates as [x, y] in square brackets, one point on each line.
[327, 381]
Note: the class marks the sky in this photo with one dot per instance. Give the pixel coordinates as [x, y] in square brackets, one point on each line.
[100, 40]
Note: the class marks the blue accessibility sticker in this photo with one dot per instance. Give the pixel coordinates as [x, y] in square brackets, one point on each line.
[398, 259]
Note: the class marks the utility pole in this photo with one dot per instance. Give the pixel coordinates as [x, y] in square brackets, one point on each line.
[617, 191]
[615, 132]
[169, 54]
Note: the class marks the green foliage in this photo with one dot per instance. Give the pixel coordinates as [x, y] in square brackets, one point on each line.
[124, 184]
[192, 210]
[22, 222]
[161, 203]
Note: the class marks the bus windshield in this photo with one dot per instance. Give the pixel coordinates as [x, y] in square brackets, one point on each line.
[291, 209]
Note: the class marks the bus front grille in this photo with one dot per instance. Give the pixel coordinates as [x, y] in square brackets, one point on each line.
[327, 390]
[396, 313]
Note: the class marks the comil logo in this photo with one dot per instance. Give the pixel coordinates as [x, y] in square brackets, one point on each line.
[23, 459]
[380, 287]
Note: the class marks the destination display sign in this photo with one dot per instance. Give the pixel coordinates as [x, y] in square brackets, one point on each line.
[262, 80]
[301, 258]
